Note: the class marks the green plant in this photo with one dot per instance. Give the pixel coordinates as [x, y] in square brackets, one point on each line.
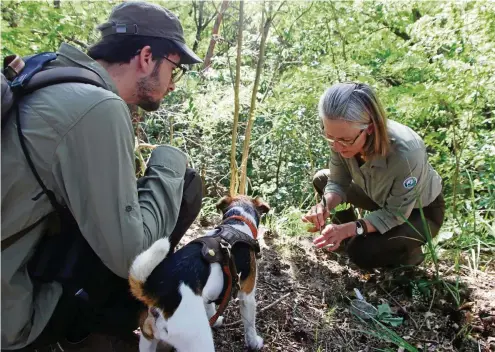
[384, 333]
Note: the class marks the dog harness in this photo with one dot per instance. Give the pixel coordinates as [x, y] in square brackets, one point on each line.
[218, 249]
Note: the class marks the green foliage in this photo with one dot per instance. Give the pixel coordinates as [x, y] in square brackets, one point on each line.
[35, 26]
[385, 315]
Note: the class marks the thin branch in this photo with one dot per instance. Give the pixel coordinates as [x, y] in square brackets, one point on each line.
[299, 17]
[401, 307]
[263, 309]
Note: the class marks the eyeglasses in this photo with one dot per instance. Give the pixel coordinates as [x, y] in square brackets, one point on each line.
[177, 72]
[342, 142]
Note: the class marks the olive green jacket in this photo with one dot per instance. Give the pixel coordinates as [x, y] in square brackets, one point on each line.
[81, 140]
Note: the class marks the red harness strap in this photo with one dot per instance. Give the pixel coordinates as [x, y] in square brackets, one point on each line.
[226, 297]
[251, 226]
[228, 266]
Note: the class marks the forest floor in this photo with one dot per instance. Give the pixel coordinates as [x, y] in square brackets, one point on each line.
[308, 293]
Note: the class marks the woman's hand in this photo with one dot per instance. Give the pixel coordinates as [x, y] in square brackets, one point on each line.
[333, 235]
[317, 216]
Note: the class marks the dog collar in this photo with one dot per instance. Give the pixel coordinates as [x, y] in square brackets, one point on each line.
[251, 226]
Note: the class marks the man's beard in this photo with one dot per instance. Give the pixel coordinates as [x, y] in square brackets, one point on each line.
[146, 86]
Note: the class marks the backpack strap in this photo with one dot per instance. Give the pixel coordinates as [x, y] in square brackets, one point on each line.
[51, 196]
[58, 75]
[41, 80]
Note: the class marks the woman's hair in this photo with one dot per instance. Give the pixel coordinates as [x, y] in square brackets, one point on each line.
[357, 103]
[120, 49]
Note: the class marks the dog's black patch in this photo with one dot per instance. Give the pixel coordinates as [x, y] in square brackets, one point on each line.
[242, 259]
[187, 266]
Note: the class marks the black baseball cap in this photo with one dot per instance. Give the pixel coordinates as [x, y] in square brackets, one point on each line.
[147, 19]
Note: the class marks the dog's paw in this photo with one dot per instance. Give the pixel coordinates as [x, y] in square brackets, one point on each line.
[219, 322]
[255, 343]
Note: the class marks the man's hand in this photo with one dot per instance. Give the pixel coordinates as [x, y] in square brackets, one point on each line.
[333, 235]
[317, 216]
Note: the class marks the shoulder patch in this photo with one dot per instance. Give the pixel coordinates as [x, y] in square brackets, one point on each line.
[410, 182]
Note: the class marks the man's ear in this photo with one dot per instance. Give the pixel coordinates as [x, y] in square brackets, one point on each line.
[224, 203]
[145, 60]
[261, 206]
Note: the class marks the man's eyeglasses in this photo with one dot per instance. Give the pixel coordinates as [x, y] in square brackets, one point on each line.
[177, 72]
[342, 142]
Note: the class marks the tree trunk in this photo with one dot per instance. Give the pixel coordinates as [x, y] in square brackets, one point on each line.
[171, 129]
[214, 34]
[245, 149]
[233, 163]
[199, 23]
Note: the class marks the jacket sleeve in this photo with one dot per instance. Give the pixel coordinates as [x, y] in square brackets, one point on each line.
[340, 178]
[410, 176]
[94, 169]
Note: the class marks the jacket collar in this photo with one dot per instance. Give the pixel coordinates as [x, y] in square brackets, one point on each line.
[71, 56]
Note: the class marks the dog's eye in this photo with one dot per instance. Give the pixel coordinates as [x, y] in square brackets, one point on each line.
[154, 312]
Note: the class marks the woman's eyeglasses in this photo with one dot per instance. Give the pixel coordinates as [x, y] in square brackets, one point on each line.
[342, 142]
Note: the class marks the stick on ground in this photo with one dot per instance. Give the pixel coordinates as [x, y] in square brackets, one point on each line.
[262, 309]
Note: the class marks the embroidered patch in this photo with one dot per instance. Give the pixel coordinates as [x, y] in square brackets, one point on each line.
[410, 182]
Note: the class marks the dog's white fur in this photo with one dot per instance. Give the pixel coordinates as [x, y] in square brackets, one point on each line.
[188, 329]
[147, 261]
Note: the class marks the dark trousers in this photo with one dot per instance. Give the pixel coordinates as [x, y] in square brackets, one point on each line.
[400, 245]
[118, 311]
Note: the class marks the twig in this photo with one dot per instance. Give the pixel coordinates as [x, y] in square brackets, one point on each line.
[401, 307]
[429, 310]
[263, 309]
[427, 341]
[271, 285]
[146, 146]
[432, 299]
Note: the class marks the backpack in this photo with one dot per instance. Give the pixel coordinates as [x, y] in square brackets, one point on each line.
[20, 78]
[56, 257]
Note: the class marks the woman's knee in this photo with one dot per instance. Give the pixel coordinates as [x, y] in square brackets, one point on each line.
[368, 253]
[320, 180]
[361, 253]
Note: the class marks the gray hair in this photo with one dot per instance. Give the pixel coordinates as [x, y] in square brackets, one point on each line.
[357, 103]
[347, 101]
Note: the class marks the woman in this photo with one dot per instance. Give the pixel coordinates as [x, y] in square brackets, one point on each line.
[380, 166]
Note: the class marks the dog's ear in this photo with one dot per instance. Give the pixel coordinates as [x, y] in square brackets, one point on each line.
[261, 205]
[223, 203]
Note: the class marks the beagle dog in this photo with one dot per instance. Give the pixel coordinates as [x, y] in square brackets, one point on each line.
[181, 289]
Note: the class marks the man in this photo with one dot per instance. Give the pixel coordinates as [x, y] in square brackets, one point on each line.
[81, 141]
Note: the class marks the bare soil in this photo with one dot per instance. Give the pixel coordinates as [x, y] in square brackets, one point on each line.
[317, 286]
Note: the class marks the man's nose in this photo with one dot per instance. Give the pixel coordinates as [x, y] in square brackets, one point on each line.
[171, 86]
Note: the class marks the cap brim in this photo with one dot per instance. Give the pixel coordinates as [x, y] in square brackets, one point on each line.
[188, 57]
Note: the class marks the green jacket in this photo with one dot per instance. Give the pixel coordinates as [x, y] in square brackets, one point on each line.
[398, 182]
[81, 140]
